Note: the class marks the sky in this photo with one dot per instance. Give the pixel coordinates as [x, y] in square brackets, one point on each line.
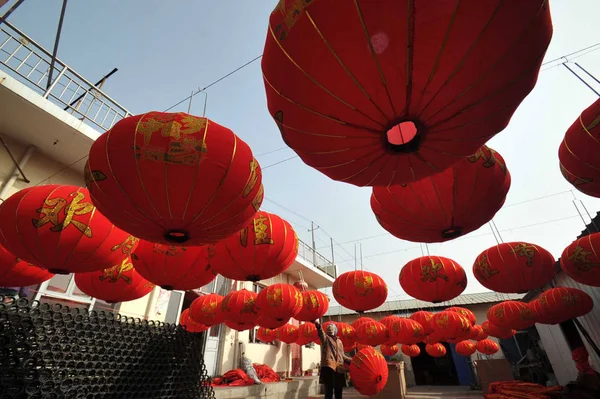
[165, 50]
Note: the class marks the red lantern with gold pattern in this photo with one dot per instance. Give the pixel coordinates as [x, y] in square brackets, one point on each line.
[272, 324]
[389, 350]
[189, 324]
[369, 371]
[174, 178]
[264, 248]
[59, 229]
[578, 153]
[581, 259]
[451, 325]
[360, 290]
[120, 283]
[15, 272]
[266, 334]
[346, 333]
[372, 333]
[406, 331]
[433, 279]
[446, 205]
[564, 303]
[356, 323]
[477, 333]
[314, 305]
[240, 308]
[307, 333]
[390, 93]
[206, 309]
[411, 350]
[514, 267]
[495, 331]
[435, 350]
[288, 333]
[465, 348]
[424, 319]
[388, 320]
[173, 267]
[466, 313]
[279, 301]
[239, 326]
[511, 315]
[487, 347]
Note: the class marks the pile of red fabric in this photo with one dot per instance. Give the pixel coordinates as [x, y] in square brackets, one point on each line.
[238, 378]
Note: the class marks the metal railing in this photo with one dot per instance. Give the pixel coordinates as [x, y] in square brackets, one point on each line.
[306, 252]
[30, 62]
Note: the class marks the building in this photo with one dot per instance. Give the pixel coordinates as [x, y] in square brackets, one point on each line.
[47, 127]
[447, 370]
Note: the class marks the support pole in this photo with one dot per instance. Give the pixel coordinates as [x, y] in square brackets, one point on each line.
[581, 79]
[10, 10]
[98, 85]
[332, 254]
[587, 73]
[18, 168]
[56, 41]
[314, 246]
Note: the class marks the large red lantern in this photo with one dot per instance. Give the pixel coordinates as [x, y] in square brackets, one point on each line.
[372, 333]
[477, 333]
[495, 331]
[424, 319]
[190, 325]
[266, 335]
[206, 309]
[451, 325]
[565, 303]
[433, 279]
[347, 333]
[511, 315]
[411, 350]
[240, 308]
[487, 347]
[369, 371]
[264, 248]
[388, 320]
[360, 290]
[514, 267]
[15, 272]
[357, 323]
[390, 93]
[435, 350]
[174, 267]
[174, 178]
[314, 305]
[58, 228]
[272, 324]
[447, 205]
[307, 333]
[389, 350]
[581, 259]
[466, 313]
[288, 333]
[120, 283]
[406, 331]
[578, 152]
[279, 302]
[465, 348]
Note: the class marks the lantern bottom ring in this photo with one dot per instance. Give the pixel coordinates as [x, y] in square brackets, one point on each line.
[59, 271]
[167, 287]
[177, 236]
[253, 277]
[404, 137]
[452, 232]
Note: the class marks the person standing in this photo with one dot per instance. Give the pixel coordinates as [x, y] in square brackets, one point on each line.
[333, 372]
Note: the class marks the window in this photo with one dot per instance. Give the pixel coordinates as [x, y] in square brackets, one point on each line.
[62, 289]
[252, 332]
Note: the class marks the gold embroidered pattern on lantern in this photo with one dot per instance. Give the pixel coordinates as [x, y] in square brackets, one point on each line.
[483, 268]
[430, 273]
[113, 274]
[53, 207]
[581, 260]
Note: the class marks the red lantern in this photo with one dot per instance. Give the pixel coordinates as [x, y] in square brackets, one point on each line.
[307, 333]
[433, 279]
[288, 334]
[368, 371]
[514, 267]
[279, 301]
[272, 324]
[578, 153]
[411, 350]
[266, 335]
[451, 325]
[406, 331]
[487, 347]
[389, 320]
[361, 108]
[434, 338]
[347, 333]
[189, 324]
[466, 313]
[239, 326]
[59, 229]
[174, 178]
[565, 303]
[240, 308]
[174, 268]
[120, 283]
[349, 347]
[206, 309]
[580, 260]
[357, 323]
[264, 248]
[446, 205]
[372, 333]
[359, 290]
[477, 333]
[314, 305]
[424, 319]
[495, 331]
[389, 350]
[15, 272]
[511, 315]
[465, 348]
[435, 350]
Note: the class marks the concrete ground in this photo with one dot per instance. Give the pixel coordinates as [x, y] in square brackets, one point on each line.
[429, 392]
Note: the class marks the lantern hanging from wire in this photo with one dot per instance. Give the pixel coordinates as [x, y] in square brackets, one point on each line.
[424, 319]
[189, 324]
[435, 350]
[15, 272]
[372, 333]
[356, 323]
[389, 350]
[451, 325]
[433, 279]
[466, 313]
[360, 290]
[564, 303]
[270, 323]
[239, 308]
[580, 260]
[487, 347]
[206, 309]
[369, 371]
[406, 331]
[465, 348]
[266, 335]
[411, 350]
[307, 333]
[347, 333]
[477, 333]
[511, 315]
[279, 301]
[288, 333]
[497, 332]
[314, 305]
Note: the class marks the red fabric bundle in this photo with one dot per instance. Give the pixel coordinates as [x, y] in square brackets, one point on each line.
[266, 373]
[232, 378]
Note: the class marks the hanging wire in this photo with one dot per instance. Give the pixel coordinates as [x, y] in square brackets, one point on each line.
[497, 230]
[494, 233]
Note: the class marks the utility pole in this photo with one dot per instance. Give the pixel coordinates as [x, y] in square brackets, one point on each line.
[332, 254]
[314, 246]
[361, 264]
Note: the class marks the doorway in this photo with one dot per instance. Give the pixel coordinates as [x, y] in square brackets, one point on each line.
[430, 370]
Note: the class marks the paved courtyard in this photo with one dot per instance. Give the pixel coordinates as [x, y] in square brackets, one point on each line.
[429, 392]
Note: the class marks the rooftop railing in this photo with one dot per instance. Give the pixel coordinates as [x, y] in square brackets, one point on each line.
[307, 253]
